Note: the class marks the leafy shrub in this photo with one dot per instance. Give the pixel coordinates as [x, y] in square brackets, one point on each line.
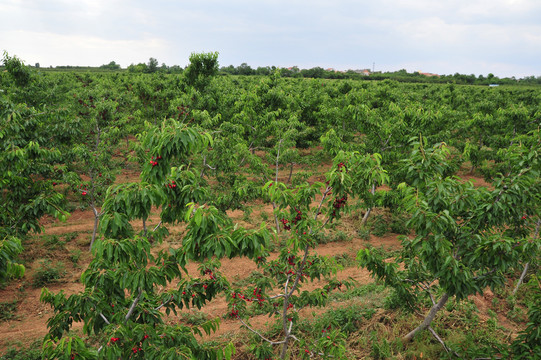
[70, 236]
[398, 224]
[341, 236]
[364, 233]
[380, 226]
[33, 352]
[348, 319]
[380, 350]
[7, 310]
[195, 317]
[75, 256]
[344, 259]
[300, 177]
[528, 341]
[338, 236]
[53, 242]
[48, 273]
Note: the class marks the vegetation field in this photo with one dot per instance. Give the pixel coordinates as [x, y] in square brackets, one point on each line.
[204, 215]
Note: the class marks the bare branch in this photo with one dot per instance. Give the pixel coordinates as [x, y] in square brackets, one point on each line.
[165, 303]
[439, 339]
[525, 271]
[261, 336]
[133, 305]
[105, 319]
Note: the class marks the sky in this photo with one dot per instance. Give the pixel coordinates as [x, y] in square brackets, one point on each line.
[502, 37]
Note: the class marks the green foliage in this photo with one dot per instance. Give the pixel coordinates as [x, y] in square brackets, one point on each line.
[27, 192]
[467, 238]
[364, 233]
[10, 247]
[201, 69]
[69, 132]
[379, 225]
[399, 224]
[194, 317]
[48, 273]
[347, 319]
[32, 352]
[7, 310]
[53, 242]
[75, 255]
[304, 223]
[380, 348]
[527, 344]
[122, 303]
[15, 67]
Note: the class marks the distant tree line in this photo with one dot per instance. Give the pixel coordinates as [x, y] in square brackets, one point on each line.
[152, 66]
[400, 75]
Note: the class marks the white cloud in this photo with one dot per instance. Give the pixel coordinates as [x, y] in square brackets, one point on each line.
[468, 35]
[53, 49]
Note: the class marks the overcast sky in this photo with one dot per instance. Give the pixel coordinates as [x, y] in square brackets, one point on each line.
[502, 37]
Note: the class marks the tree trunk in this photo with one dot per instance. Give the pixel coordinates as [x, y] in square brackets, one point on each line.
[144, 228]
[428, 319]
[521, 279]
[95, 231]
[367, 214]
[276, 184]
[523, 275]
[290, 173]
[283, 353]
[276, 222]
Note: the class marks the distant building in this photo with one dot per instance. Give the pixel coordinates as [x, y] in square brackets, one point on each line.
[427, 74]
[365, 72]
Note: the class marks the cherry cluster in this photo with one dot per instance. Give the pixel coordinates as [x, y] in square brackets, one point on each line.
[83, 189]
[256, 297]
[183, 111]
[234, 313]
[155, 162]
[339, 203]
[298, 217]
[210, 274]
[171, 185]
[290, 260]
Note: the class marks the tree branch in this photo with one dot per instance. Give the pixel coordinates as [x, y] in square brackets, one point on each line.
[133, 305]
[261, 336]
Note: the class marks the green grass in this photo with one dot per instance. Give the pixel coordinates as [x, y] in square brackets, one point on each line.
[19, 352]
[7, 310]
[48, 273]
[194, 317]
